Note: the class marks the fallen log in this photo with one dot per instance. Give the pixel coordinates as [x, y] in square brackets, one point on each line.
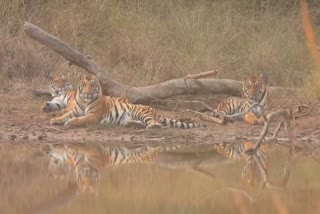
[144, 94]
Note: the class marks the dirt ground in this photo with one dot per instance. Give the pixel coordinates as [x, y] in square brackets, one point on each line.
[22, 121]
[25, 183]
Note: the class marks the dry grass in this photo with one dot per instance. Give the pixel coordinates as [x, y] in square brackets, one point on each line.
[141, 42]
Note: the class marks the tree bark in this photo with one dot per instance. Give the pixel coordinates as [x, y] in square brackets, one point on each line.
[144, 94]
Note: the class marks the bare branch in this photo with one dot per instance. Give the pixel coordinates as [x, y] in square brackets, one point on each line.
[301, 108]
[201, 75]
[41, 92]
[278, 129]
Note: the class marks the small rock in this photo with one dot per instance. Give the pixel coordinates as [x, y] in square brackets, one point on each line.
[41, 137]
[13, 137]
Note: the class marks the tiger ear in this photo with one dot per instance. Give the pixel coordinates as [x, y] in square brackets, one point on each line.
[50, 77]
[96, 77]
[263, 77]
[245, 77]
[81, 77]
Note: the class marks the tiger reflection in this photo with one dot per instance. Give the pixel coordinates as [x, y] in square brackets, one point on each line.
[83, 162]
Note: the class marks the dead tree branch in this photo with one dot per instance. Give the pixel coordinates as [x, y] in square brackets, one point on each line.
[294, 143]
[201, 75]
[298, 113]
[38, 92]
[144, 94]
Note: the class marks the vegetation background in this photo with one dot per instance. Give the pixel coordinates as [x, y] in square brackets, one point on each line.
[140, 42]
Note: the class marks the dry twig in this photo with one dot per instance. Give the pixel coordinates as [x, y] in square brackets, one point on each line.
[38, 92]
[293, 141]
[43, 129]
[301, 108]
[201, 75]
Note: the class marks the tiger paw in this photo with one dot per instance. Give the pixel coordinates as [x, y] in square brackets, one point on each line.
[53, 122]
[261, 120]
[154, 126]
[134, 124]
[254, 122]
[45, 107]
[251, 118]
[67, 125]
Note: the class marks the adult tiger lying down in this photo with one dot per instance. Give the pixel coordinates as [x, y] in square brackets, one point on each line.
[92, 107]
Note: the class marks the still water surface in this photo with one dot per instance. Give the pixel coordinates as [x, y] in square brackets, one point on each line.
[167, 182]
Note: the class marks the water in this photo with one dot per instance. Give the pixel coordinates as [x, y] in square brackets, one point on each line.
[179, 181]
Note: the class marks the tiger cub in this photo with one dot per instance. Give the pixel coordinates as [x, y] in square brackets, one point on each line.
[236, 151]
[62, 93]
[254, 91]
[92, 107]
[83, 162]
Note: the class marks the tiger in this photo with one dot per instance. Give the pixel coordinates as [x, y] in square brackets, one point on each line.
[63, 96]
[62, 93]
[92, 107]
[254, 90]
[86, 160]
[251, 174]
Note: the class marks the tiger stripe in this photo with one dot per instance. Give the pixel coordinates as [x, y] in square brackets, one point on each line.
[255, 91]
[62, 93]
[92, 107]
[84, 161]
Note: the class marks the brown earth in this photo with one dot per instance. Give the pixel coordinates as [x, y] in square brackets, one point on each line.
[25, 182]
[22, 121]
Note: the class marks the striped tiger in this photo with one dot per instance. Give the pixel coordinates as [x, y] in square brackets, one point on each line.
[86, 160]
[63, 96]
[254, 91]
[62, 93]
[92, 107]
[236, 151]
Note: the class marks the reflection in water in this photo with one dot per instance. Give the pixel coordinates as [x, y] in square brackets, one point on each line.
[236, 151]
[147, 188]
[83, 162]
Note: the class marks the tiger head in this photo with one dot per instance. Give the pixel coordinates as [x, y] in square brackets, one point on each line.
[254, 88]
[87, 178]
[89, 88]
[60, 165]
[59, 85]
